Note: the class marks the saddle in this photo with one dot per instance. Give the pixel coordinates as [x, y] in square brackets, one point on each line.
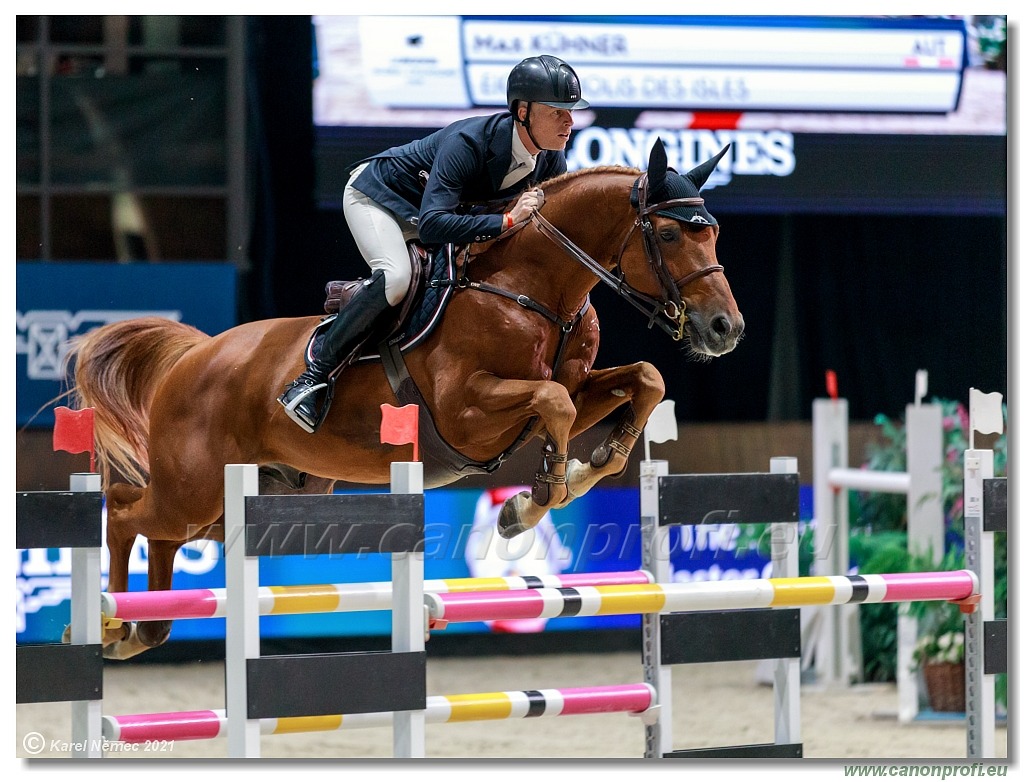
[430, 285]
[434, 281]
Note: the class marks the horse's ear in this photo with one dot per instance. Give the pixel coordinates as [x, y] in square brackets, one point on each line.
[657, 166]
[700, 174]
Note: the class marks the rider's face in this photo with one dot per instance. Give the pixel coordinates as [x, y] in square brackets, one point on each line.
[550, 126]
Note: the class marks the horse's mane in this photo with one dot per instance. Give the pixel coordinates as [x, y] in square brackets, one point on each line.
[570, 176]
[554, 185]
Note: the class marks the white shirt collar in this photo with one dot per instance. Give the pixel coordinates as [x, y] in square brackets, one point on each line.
[520, 157]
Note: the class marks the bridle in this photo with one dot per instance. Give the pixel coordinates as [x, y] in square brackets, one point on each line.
[668, 311]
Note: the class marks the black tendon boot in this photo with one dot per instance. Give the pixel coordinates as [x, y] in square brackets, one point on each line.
[305, 399]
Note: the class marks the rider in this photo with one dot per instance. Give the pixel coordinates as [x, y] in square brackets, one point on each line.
[387, 203]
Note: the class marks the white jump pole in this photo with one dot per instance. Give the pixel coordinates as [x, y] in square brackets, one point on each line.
[658, 731]
[242, 631]
[980, 554]
[86, 716]
[407, 616]
[986, 417]
[838, 658]
[786, 564]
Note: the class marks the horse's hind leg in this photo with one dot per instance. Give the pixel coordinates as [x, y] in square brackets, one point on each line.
[131, 512]
[121, 535]
[136, 637]
[161, 570]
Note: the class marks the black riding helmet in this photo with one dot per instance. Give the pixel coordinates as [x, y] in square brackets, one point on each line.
[545, 79]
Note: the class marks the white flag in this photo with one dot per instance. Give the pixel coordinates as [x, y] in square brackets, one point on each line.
[986, 412]
[661, 426]
[920, 386]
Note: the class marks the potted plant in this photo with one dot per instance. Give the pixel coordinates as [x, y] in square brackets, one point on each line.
[878, 545]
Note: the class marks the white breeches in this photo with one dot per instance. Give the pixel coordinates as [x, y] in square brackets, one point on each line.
[381, 237]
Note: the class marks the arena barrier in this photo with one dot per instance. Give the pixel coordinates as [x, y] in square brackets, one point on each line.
[518, 704]
[838, 651]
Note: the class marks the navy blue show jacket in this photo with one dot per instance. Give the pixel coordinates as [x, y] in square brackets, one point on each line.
[465, 163]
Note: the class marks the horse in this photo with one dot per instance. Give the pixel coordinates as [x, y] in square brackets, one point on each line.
[512, 360]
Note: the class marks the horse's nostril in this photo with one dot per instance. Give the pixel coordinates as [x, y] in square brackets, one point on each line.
[721, 325]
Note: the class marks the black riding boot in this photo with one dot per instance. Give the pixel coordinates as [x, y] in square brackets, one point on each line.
[305, 397]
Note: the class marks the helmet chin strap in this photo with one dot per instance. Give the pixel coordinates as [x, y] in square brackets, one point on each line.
[526, 124]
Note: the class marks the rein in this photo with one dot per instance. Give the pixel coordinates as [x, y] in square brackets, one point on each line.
[668, 312]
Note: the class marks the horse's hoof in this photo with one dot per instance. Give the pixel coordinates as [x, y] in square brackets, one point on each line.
[575, 476]
[510, 522]
[126, 648]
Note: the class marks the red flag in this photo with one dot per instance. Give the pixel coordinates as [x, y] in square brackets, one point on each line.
[73, 432]
[401, 425]
[831, 383]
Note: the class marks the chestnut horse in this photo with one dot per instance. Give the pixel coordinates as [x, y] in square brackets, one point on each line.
[512, 359]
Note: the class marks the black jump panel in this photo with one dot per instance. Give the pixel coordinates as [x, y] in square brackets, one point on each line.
[59, 519]
[994, 497]
[54, 673]
[277, 525]
[995, 646]
[742, 751]
[309, 685]
[728, 636]
[738, 498]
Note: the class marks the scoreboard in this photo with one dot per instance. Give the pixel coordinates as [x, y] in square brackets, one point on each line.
[862, 64]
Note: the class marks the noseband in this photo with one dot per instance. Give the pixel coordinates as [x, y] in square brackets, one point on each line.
[668, 311]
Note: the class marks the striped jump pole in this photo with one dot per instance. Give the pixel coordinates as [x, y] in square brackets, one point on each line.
[476, 707]
[333, 598]
[700, 596]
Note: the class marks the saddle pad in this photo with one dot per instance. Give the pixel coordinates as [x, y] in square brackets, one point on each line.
[432, 298]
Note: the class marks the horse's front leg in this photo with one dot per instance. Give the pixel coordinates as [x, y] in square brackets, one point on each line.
[639, 387]
[517, 401]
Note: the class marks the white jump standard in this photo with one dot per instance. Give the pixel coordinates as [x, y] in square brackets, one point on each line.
[52, 673]
[837, 652]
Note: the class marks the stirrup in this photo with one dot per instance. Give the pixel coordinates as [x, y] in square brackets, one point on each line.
[291, 408]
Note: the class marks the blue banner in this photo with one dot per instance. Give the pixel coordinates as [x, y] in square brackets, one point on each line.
[58, 301]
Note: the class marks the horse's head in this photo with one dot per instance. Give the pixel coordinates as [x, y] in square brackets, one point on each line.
[676, 266]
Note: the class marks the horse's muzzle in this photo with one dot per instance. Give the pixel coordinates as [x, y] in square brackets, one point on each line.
[716, 335]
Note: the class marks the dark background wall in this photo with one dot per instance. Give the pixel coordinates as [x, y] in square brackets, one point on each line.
[873, 296]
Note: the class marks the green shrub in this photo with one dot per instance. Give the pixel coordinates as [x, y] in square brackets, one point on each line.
[878, 524]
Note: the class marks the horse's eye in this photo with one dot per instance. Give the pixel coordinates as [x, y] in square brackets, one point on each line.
[669, 234]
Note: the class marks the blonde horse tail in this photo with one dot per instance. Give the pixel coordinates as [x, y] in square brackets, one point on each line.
[115, 370]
